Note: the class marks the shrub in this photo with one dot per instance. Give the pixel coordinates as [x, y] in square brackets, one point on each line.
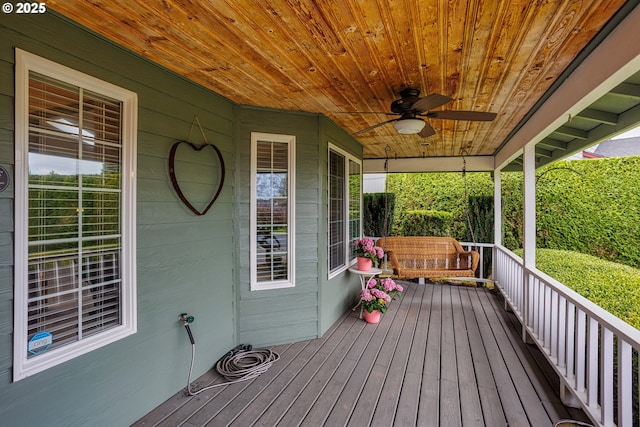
[437, 191]
[589, 206]
[614, 287]
[425, 223]
[373, 213]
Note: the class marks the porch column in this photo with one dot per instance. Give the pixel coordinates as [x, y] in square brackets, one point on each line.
[529, 229]
[497, 210]
[497, 225]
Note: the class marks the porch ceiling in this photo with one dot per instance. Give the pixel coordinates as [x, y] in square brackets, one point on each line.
[348, 60]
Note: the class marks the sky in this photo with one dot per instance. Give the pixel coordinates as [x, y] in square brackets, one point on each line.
[628, 134]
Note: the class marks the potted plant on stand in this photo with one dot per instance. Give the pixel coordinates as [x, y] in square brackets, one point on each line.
[367, 253]
[377, 295]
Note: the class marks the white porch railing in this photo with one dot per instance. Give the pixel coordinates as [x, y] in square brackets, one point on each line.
[481, 248]
[593, 352]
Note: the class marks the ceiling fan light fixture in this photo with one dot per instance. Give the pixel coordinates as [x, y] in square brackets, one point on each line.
[409, 126]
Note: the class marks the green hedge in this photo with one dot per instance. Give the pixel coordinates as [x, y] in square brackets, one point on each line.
[612, 286]
[588, 206]
[373, 213]
[425, 223]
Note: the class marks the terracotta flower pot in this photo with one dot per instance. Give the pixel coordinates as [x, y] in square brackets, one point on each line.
[364, 264]
[373, 317]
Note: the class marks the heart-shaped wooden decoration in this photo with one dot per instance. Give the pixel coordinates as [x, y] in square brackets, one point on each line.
[174, 181]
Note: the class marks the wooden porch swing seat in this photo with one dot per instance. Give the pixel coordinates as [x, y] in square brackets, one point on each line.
[418, 257]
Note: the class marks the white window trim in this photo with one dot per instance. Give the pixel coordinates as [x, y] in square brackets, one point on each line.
[291, 204]
[347, 238]
[26, 62]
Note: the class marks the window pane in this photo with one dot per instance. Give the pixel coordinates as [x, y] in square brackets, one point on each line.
[272, 211]
[354, 204]
[345, 187]
[336, 211]
[74, 199]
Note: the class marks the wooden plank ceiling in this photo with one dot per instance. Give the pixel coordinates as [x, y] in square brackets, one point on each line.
[349, 59]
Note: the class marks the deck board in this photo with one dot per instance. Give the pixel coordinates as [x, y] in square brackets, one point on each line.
[471, 407]
[441, 356]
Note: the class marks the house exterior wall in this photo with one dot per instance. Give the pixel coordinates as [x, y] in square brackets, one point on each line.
[288, 314]
[341, 291]
[186, 263]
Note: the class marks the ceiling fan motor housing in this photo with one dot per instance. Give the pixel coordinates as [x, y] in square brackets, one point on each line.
[409, 96]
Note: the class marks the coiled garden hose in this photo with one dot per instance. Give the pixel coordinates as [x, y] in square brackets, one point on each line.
[242, 363]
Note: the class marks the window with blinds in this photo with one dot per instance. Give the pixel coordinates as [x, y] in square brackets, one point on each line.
[272, 211]
[77, 207]
[337, 208]
[345, 195]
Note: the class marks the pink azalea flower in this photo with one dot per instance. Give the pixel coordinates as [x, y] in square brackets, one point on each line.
[372, 283]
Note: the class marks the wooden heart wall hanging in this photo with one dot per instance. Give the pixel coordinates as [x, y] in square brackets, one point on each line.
[172, 172]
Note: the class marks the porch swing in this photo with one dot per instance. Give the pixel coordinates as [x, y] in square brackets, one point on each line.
[428, 257]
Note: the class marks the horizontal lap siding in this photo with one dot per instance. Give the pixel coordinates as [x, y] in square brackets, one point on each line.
[185, 263]
[6, 218]
[341, 291]
[277, 316]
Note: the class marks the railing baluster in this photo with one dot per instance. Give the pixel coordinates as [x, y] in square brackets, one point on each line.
[592, 364]
[625, 384]
[581, 354]
[547, 309]
[606, 375]
[553, 325]
[561, 339]
[541, 305]
[570, 341]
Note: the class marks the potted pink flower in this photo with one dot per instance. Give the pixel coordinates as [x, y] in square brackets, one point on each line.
[377, 295]
[367, 253]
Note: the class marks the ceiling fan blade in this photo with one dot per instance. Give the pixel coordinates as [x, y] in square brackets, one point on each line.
[429, 102]
[386, 113]
[426, 131]
[374, 126]
[477, 116]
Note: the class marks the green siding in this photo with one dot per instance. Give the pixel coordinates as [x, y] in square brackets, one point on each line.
[185, 263]
[341, 291]
[294, 316]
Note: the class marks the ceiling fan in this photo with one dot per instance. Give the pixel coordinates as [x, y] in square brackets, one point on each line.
[410, 107]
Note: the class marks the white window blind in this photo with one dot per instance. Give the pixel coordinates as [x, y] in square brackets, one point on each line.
[77, 292]
[272, 211]
[74, 204]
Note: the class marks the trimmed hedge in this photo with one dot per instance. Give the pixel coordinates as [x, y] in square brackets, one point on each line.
[425, 223]
[437, 191]
[589, 206]
[613, 286]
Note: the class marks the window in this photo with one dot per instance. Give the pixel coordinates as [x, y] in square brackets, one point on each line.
[75, 214]
[272, 208]
[345, 188]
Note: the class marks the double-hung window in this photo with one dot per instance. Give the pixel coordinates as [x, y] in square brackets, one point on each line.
[272, 211]
[345, 195]
[75, 214]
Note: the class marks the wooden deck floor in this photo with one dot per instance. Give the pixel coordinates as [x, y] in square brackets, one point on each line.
[443, 356]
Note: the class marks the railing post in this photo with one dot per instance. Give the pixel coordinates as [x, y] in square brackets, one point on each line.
[529, 229]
